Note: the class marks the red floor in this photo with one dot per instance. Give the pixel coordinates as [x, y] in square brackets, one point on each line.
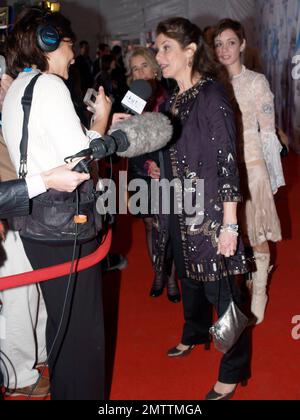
[147, 327]
[140, 329]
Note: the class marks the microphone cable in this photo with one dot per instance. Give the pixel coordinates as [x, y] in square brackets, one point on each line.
[64, 305]
[65, 299]
[68, 289]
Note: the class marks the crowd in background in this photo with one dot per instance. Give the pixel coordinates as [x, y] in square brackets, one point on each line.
[114, 70]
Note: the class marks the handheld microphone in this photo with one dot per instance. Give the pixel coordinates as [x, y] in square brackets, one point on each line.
[134, 137]
[137, 96]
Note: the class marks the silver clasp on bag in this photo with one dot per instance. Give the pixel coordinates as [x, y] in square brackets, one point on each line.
[23, 169]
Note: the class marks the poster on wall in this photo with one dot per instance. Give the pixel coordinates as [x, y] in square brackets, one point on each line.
[279, 42]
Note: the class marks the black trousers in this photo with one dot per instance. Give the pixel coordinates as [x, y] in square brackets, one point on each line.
[1, 384]
[76, 363]
[197, 299]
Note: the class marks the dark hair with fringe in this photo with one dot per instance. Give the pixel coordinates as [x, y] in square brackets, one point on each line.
[185, 32]
[22, 48]
[234, 25]
[205, 61]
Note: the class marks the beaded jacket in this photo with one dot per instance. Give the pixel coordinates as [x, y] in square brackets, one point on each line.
[203, 148]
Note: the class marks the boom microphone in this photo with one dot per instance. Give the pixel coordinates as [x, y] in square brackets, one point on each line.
[134, 137]
[146, 133]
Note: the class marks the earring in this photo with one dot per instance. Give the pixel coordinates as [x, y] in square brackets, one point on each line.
[190, 63]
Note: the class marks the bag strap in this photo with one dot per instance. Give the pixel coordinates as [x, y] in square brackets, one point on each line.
[26, 104]
[227, 283]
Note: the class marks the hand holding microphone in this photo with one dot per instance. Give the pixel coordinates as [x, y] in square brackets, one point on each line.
[129, 136]
[63, 178]
[119, 117]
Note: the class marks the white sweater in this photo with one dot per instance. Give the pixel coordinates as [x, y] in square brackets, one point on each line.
[54, 130]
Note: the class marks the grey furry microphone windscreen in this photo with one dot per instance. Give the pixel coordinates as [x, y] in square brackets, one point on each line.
[146, 133]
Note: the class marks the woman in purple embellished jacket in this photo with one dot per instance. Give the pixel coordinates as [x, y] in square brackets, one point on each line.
[205, 245]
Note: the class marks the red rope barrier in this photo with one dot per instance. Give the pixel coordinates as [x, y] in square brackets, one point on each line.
[49, 273]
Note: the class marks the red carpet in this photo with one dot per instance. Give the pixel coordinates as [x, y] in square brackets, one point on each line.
[140, 329]
[147, 327]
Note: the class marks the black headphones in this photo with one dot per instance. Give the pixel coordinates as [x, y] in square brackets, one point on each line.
[47, 36]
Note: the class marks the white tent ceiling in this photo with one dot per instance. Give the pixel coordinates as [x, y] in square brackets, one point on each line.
[97, 20]
[128, 19]
[277, 23]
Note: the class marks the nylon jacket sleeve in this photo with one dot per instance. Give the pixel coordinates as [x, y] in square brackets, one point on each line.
[14, 200]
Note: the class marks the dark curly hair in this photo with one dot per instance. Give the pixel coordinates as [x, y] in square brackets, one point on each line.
[22, 49]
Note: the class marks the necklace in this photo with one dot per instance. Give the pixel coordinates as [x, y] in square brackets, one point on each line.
[179, 99]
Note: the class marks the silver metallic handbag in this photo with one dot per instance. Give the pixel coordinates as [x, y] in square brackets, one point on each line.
[228, 328]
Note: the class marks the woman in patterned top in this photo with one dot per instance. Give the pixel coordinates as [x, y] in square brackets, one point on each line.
[259, 153]
[205, 246]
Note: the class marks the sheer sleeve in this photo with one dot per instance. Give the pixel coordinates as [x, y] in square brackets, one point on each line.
[264, 100]
[222, 127]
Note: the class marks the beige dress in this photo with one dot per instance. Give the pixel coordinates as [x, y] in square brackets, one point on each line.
[259, 148]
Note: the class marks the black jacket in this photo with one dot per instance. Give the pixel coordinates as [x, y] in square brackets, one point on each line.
[202, 151]
[14, 200]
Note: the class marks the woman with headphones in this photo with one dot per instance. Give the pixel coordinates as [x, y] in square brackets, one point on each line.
[43, 43]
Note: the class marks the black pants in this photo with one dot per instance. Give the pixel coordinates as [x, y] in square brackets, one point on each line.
[1, 384]
[76, 364]
[197, 298]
